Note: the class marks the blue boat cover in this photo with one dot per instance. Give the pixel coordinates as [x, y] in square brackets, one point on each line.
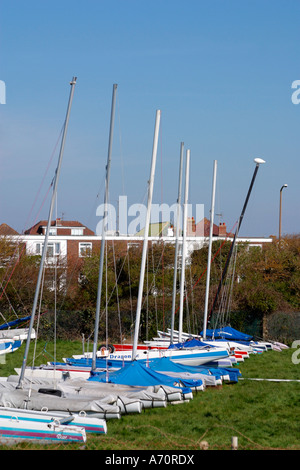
[137, 374]
[227, 333]
[190, 343]
[165, 364]
[14, 322]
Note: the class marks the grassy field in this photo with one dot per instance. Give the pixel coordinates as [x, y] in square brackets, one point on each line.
[264, 415]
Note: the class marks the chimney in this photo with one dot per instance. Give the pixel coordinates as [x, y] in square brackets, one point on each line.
[222, 230]
[191, 227]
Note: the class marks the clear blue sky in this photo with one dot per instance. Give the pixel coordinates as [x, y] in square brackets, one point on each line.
[220, 71]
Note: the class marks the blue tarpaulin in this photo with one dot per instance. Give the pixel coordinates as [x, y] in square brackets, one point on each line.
[167, 365]
[227, 333]
[190, 343]
[137, 374]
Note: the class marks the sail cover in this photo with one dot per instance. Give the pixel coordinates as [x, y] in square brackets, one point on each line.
[227, 333]
[14, 322]
[190, 343]
[139, 374]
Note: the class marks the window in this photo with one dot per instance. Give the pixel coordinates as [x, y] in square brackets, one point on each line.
[77, 231]
[85, 249]
[53, 249]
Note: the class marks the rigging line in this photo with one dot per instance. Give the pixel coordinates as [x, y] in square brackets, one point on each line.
[147, 295]
[227, 261]
[117, 290]
[198, 280]
[129, 282]
[55, 296]
[231, 286]
[10, 304]
[24, 246]
[106, 294]
[38, 319]
[19, 257]
[121, 145]
[153, 281]
[46, 171]
[162, 198]
[111, 294]
[223, 316]
[4, 319]
[17, 294]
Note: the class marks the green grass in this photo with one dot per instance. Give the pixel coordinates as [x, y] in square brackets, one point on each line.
[262, 414]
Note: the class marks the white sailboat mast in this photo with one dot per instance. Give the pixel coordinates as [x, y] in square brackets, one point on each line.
[44, 252]
[102, 249]
[146, 235]
[212, 211]
[176, 242]
[183, 256]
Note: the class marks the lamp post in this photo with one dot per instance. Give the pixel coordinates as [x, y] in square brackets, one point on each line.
[280, 207]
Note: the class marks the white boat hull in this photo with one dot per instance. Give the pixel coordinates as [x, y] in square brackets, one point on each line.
[13, 429]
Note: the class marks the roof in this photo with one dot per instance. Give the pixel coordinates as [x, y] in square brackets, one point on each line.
[202, 228]
[7, 230]
[59, 223]
[155, 230]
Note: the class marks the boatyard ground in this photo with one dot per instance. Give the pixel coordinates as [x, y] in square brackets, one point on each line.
[262, 414]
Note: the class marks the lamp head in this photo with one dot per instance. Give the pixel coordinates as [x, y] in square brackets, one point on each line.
[259, 161]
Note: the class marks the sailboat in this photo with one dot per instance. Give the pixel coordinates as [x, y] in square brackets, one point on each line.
[12, 339]
[13, 428]
[98, 399]
[13, 423]
[194, 356]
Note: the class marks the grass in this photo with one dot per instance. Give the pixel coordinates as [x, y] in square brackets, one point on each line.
[262, 414]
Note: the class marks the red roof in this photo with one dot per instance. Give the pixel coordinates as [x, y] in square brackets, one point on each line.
[202, 228]
[59, 223]
[7, 230]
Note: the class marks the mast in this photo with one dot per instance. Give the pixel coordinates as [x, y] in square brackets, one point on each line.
[258, 162]
[176, 243]
[102, 249]
[183, 256]
[146, 235]
[209, 247]
[43, 257]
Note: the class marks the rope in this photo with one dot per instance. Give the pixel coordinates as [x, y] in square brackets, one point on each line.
[198, 280]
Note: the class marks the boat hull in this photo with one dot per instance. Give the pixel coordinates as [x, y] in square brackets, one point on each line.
[14, 430]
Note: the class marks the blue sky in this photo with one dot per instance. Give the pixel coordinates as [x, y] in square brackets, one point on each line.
[219, 71]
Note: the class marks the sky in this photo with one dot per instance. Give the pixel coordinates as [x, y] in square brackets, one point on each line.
[221, 72]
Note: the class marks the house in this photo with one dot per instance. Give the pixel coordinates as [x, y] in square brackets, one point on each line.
[72, 241]
[158, 229]
[68, 239]
[202, 228]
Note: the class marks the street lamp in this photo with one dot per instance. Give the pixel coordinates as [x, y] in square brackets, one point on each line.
[280, 204]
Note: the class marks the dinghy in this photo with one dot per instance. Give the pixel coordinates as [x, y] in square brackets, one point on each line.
[13, 429]
[89, 424]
